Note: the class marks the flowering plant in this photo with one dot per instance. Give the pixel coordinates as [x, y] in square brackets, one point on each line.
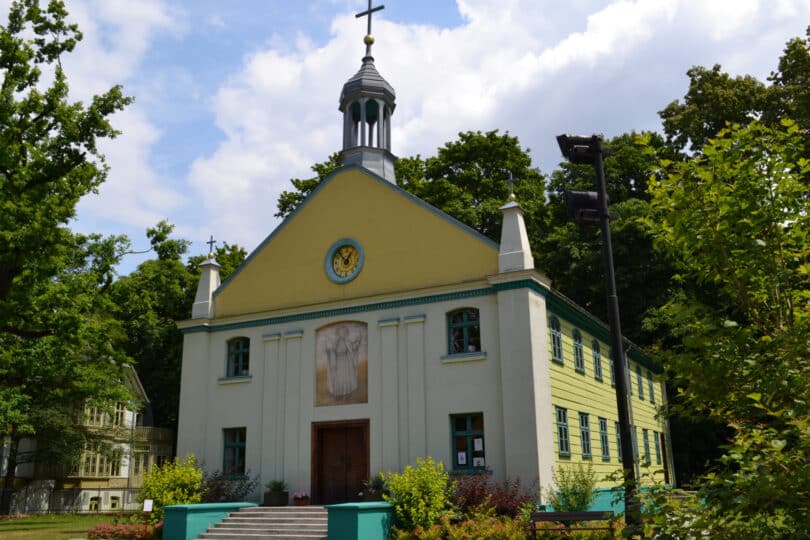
[300, 495]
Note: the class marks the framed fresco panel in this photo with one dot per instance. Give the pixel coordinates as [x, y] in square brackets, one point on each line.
[341, 364]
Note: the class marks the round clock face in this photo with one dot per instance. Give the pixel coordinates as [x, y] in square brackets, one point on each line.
[344, 260]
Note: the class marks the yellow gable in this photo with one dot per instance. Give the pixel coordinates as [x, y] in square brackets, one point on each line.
[406, 245]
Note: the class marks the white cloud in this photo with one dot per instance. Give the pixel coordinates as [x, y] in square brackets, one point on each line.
[509, 66]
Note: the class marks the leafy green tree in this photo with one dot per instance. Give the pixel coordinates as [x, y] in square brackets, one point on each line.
[58, 341]
[572, 255]
[467, 180]
[736, 216]
[150, 300]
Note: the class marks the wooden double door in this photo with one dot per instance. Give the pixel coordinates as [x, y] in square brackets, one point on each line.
[340, 462]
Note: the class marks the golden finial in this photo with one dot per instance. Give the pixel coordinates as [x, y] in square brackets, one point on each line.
[368, 40]
[512, 197]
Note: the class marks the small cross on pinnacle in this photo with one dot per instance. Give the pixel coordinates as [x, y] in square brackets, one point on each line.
[369, 39]
[211, 244]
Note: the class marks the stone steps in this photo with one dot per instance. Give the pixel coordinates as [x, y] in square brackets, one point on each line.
[272, 523]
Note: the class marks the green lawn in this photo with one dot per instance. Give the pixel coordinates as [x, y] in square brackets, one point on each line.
[49, 527]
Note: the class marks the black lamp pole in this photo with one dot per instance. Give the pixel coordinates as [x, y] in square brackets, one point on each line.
[589, 208]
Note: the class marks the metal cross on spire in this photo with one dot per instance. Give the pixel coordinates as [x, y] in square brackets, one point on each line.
[369, 39]
[211, 244]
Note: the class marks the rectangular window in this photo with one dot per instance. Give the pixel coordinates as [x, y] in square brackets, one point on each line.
[612, 372]
[585, 435]
[463, 331]
[597, 360]
[603, 439]
[657, 440]
[651, 386]
[618, 441]
[645, 434]
[234, 455]
[119, 415]
[640, 382]
[556, 340]
[468, 441]
[579, 355]
[238, 357]
[563, 444]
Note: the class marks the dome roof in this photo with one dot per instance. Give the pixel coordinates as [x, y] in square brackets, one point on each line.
[367, 82]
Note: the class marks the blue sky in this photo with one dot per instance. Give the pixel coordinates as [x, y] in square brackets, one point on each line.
[234, 98]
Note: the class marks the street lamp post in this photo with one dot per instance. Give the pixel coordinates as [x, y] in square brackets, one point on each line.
[589, 208]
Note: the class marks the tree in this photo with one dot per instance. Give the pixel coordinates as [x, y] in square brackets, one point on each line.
[572, 255]
[149, 302]
[713, 100]
[467, 180]
[736, 215]
[57, 341]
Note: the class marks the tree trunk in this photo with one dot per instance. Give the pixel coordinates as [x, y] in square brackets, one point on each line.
[11, 469]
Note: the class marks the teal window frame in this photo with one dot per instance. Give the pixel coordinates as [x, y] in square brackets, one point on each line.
[579, 355]
[651, 386]
[640, 382]
[657, 441]
[563, 440]
[238, 362]
[556, 340]
[468, 435]
[604, 439]
[618, 440]
[468, 328]
[645, 436]
[585, 435]
[612, 371]
[233, 451]
[596, 351]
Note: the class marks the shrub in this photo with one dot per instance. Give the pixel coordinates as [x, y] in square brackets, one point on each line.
[575, 488]
[478, 526]
[420, 495]
[472, 492]
[176, 482]
[106, 531]
[508, 496]
[219, 487]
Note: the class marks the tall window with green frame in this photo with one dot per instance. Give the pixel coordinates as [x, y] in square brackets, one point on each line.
[640, 382]
[563, 442]
[618, 440]
[650, 386]
[463, 331]
[468, 441]
[597, 360]
[585, 435]
[603, 439]
[645, 435]
[657, 440]
[579, 355]
[556, 340]
[238, 357]
[233, 456]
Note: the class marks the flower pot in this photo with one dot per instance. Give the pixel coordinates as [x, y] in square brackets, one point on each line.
[303, 501]
[276, 498]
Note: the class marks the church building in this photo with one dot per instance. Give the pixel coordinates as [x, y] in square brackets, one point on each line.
[370, 329]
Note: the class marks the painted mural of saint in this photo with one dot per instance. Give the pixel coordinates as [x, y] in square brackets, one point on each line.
[342, 356]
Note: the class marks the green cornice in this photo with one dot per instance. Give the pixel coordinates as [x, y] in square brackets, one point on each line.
[556, 303]
[338, 312]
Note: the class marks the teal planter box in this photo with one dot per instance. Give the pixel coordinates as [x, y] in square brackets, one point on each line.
[188, 521]
[360, 521]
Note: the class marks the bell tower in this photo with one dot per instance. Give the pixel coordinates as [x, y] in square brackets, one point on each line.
[367, 102]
